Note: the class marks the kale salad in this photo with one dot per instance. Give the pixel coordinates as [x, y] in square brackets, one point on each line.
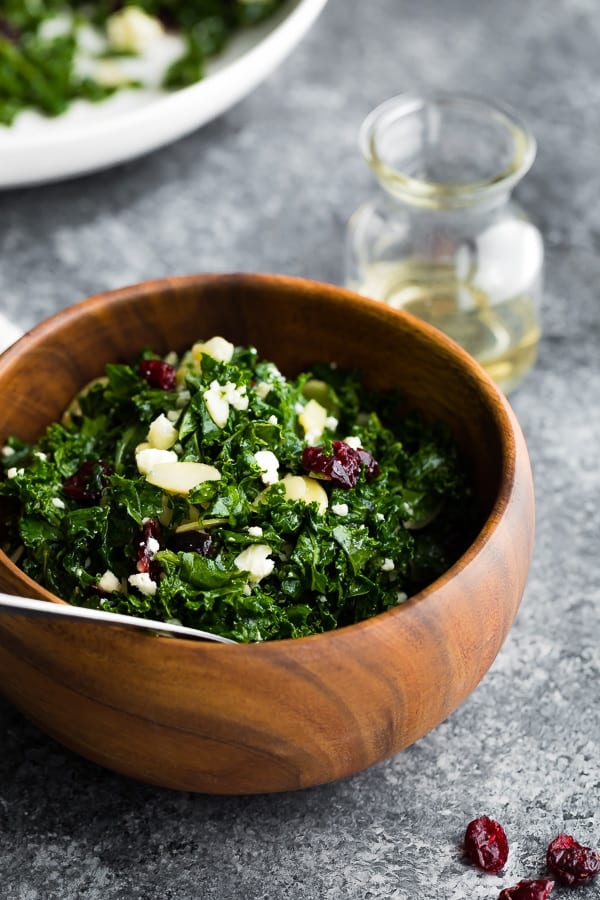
[53, 52]
[210, 490]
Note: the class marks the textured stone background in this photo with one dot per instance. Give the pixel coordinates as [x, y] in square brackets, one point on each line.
[269, 187]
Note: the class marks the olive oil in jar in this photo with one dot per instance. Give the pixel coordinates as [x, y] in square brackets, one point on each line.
[443, 238]
[503, 335]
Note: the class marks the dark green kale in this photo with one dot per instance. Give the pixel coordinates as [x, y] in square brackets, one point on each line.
[241, 553]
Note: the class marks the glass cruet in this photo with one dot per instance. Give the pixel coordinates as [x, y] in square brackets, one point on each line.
[444, 239]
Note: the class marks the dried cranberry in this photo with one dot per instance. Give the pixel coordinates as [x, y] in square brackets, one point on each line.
[534, 889]
[151, 528]
[343, 466]
[191, 542]
[158, 374]
[146, 549]
[570, 861]
[88, 482]
[370, 464]
[486, 845]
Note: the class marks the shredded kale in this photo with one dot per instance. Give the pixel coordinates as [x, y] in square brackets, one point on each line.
[40, 49]
[238, 553]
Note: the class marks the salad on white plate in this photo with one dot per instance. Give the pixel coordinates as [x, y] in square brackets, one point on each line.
[87, 85]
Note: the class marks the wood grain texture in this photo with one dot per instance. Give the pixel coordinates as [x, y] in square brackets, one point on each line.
[288, 714]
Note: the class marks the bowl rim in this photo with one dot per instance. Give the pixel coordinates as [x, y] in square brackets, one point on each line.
[494, 399]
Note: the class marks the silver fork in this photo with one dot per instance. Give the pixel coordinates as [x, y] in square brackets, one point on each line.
[22, 606]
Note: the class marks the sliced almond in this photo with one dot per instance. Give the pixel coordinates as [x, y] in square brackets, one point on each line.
[162, 434]
[181, 477]
[301, 487]
[313, 419]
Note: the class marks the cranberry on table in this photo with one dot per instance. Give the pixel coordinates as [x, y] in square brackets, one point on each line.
[570, 861]
[486, 844]
[529, 889]
[158, 374]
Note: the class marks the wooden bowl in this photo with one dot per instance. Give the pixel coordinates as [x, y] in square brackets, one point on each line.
[294, 713]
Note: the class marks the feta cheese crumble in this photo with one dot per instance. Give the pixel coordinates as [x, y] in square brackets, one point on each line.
[353, 441]
[218, 399]
[57, 26]
[152, 546]
[387, 565]
[268, 464]
[255, 560]
[109, 583]
[339, 509]
[144, 583]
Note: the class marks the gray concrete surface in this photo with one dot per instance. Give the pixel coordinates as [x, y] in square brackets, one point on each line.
[269, 187]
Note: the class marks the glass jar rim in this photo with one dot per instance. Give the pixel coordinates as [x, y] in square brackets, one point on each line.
[432, 193]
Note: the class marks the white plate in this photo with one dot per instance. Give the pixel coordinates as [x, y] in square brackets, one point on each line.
[94, 136]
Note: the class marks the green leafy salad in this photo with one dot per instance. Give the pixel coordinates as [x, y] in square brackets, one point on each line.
[209, 489]
[53, 52]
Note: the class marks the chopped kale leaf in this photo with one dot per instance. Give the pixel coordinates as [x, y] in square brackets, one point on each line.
[192, 502]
